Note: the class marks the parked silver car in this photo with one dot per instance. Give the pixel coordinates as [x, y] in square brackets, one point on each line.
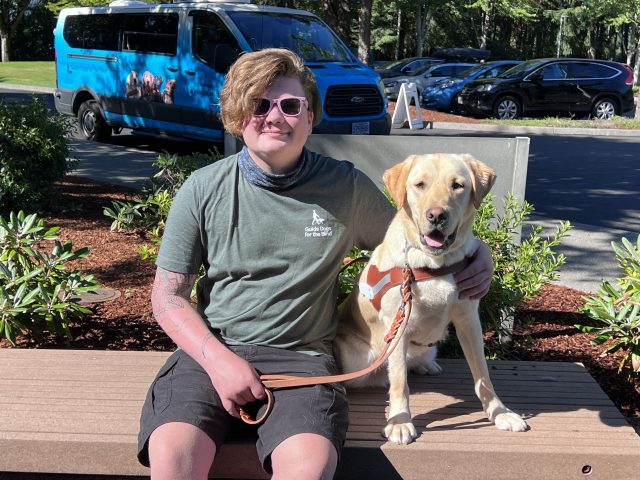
[423, 77]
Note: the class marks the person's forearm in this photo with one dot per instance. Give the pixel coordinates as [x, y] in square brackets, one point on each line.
[184, 325]
[179, 319]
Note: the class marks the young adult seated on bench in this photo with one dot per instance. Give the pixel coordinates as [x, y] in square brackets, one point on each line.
[271, 226]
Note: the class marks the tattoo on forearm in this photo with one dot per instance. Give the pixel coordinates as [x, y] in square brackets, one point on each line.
[206, 338]
[171, 292]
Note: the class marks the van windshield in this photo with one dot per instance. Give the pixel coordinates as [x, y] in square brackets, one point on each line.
[305, 35]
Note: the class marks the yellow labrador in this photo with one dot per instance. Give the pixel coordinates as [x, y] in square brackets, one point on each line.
[437, 196]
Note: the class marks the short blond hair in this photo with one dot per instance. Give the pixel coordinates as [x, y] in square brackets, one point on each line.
[251, 75]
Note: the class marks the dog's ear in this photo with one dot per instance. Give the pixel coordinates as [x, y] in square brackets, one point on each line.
[483, 179]
[395, 179]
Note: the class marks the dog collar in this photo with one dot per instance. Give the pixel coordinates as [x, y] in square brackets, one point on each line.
[378, 283]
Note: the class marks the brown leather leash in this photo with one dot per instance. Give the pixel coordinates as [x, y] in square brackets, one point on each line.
[276, 381]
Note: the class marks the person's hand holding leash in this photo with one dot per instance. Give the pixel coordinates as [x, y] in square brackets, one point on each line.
[235, 380]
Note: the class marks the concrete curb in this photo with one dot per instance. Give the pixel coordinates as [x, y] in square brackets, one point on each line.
[577, 131]
[27, 88]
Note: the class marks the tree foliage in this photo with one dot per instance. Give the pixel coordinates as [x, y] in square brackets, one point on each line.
[518, 29]
[11, 13]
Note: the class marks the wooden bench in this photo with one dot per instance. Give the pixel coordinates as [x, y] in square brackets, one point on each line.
[77, 412]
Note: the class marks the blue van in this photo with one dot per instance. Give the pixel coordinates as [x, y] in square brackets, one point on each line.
[161, 67]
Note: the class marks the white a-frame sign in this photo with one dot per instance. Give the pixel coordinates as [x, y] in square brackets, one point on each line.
[401, 113]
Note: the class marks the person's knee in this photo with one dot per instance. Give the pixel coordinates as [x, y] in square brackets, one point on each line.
[309, 456]
[180, 451]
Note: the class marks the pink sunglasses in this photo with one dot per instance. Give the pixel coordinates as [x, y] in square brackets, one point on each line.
[288, 106]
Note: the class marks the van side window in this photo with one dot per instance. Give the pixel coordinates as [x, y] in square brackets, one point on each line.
[94, 32]
[212, 42]
[151, 33]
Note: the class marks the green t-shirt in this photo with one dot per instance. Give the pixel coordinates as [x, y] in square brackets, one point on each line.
[272, 258]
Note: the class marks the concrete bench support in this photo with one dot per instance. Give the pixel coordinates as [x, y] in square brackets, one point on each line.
[76, 412]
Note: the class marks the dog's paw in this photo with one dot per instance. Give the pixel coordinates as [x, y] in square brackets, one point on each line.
[400, 433]
[511, 422]
[428, 368]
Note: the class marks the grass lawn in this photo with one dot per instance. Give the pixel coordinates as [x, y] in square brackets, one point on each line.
[615, 122]
[41, 74]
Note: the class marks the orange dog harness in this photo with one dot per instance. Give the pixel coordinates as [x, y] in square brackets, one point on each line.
[378, 283]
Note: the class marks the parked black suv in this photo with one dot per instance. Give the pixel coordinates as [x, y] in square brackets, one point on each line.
[599, 87]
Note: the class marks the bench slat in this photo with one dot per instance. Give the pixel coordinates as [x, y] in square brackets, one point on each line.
[67, 411]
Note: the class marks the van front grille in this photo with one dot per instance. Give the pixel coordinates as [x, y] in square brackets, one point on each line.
[353, 101]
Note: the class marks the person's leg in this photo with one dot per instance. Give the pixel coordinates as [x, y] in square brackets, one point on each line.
[180, 451]
[302, 436]
[182, 423]
[305, 455]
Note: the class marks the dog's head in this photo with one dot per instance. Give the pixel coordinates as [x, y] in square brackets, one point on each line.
[170, 87]
[439, 193]
[132, 79]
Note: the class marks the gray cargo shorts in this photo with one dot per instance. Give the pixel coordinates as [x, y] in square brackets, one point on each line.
[182, 392]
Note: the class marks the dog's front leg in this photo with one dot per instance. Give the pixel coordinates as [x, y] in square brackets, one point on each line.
[399, 427]
[469, 333]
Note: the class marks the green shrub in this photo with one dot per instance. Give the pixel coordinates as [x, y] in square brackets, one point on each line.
[33, 155]
[617, 308]
[149, 213]
[37, 291]
[351, 269]
[521, 268]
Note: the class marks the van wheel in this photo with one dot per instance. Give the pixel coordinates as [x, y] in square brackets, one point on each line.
[92, 124]
[507, 108]
[605, 109]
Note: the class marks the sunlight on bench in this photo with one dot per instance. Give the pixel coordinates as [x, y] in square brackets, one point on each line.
[77, 412]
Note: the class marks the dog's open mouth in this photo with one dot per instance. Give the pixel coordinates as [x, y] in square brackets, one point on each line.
[436, 241]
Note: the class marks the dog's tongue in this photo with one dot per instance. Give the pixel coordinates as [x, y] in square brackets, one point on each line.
[435, 239]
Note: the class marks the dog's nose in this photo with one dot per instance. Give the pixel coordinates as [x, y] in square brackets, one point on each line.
[436, 216]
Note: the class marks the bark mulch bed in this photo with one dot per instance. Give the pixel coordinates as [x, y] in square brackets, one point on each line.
[545, 325]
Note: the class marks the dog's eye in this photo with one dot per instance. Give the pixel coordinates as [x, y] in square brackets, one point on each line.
[457, 186]
[420, 185]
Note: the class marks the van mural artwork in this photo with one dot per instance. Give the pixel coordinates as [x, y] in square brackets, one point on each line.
[160, 68]
[150, 89]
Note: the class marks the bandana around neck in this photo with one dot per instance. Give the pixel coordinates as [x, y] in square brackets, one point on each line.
[272, 181]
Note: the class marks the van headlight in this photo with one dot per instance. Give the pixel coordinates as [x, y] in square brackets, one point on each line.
[391, 84]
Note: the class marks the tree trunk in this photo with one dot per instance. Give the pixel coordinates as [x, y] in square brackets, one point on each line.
[419, 31]
[4, 46]
[400, 34]
[636, 66]
[591, 49]
[11, 17]
[422, 27]
[486, 24]
[364, 34]
[337, 14]
[630, 50]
